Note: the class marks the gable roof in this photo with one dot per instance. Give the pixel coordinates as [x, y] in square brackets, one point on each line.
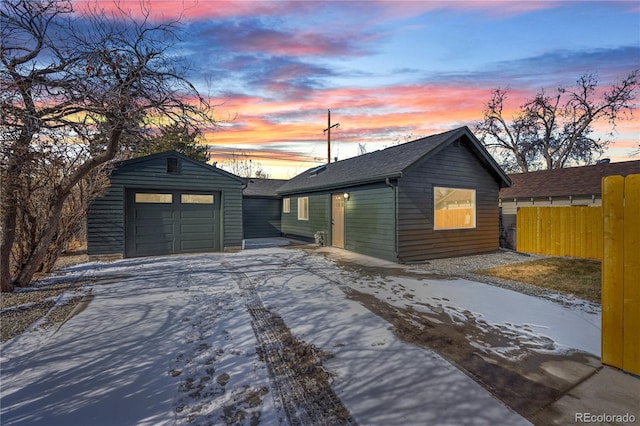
[585, 180]
[387, 163]
[176, 154]
[262, 187]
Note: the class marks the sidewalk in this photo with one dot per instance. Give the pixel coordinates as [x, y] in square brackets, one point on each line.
[608, 397]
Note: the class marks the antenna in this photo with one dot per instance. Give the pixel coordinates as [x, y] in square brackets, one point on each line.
[328, 132]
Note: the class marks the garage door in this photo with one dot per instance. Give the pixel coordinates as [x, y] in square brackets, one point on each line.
[169, 222]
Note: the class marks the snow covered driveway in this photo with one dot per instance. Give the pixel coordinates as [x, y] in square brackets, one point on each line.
[172, 340]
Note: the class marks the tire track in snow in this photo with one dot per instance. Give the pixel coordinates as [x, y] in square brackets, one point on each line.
[302, 388]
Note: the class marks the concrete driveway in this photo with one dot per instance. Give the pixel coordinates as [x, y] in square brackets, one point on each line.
[267, 336]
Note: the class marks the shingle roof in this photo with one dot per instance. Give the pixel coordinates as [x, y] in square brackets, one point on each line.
[378, 165]
[262, 187]
[585, 180]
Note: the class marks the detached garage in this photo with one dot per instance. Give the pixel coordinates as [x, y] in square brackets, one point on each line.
[166, 204]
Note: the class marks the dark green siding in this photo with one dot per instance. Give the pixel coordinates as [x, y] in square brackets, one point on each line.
[318, 216]
[261, 217]
[105, 223]
[106, 218]
[231, 215]
[370, 221]
[458, 167]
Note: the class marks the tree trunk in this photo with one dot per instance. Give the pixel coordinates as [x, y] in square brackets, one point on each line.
[8, 213]
[522, 162]
[25, 275]
[8, 227]
[36, 259]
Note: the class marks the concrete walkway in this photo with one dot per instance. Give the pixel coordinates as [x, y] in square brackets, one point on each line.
[169, 340]
[158, 325]
[600, 395]
[609, 395]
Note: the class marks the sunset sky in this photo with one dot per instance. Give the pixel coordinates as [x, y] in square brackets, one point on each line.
[388, 70]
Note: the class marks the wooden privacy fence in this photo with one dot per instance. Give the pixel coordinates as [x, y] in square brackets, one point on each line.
[560, 231]
[621, 273]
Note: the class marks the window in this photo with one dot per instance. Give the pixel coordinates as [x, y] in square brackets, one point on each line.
[143, 197]
[303, 208]
[172, 165]
[454, 208]
[196, 199]
[286, 205]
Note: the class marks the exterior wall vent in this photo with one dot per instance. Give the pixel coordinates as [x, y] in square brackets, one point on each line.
[172, 165]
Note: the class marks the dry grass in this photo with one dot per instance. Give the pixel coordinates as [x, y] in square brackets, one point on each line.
[16, 321]
[36, 302]
[30, 306]
[580, 277]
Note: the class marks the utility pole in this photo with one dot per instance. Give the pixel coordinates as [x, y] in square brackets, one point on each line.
[328, 132]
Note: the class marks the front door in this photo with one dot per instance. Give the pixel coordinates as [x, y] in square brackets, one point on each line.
[337, 220]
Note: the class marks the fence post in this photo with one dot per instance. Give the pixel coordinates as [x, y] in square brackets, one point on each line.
[612, 270]
[631, 336]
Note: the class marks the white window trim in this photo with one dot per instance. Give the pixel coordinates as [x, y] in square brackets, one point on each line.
[286, 205]
[475, 209]
[303, 202]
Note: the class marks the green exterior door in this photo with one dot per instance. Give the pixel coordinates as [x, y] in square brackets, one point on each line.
[170, 222]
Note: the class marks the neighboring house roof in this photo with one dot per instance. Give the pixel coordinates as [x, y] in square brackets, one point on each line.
[585, 180]
[387, 163]
[262, 187]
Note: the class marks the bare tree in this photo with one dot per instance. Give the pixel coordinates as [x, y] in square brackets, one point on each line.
[240, 164]
[79, 82]
[46, 172]
[400, 139]
[554, 131]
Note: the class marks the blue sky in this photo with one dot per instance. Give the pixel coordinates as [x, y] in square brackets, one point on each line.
[388, 69]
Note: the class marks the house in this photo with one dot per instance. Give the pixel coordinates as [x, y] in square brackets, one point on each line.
[164, 204]
[430, 198]
[573, 186]
[261, 208]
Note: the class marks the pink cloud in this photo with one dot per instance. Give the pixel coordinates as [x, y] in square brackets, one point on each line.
[374, 116]
[189, 9]
[363, 113]
[295, 44]
[371, 11]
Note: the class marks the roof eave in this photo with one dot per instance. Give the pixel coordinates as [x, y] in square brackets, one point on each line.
[339, 185]
[523, 197]
[505, 180]
[486, 157]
